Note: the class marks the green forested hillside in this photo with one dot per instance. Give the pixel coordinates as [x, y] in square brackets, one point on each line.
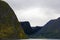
[9, 25]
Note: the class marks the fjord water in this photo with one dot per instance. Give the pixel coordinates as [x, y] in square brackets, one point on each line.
[40, 39]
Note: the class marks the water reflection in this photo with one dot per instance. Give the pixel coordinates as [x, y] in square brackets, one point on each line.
[39, 39]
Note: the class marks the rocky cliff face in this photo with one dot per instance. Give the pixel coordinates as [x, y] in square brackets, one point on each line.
[9, 25]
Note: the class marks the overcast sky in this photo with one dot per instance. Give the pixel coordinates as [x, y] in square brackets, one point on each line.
[37, 12]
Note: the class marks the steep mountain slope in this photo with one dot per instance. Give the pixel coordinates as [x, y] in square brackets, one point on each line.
[50, 30]
[26, 27]
[9, 25]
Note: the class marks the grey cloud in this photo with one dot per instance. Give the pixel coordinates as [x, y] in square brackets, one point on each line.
[28, 3]
[52, 5]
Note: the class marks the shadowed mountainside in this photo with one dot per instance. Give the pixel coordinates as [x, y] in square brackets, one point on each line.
[28, 29]
[50, 30]
[9, 25]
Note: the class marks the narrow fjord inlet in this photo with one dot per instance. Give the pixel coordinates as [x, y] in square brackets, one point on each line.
[12, 28]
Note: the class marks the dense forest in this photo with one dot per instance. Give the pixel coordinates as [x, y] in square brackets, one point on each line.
[9, 24]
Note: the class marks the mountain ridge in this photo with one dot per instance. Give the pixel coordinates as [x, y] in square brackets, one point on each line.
[50, 30]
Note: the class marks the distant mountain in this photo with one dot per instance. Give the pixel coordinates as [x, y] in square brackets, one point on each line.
[30, 31]
[50, 30]
[9, 24]
[26, 27]
[36, 29]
